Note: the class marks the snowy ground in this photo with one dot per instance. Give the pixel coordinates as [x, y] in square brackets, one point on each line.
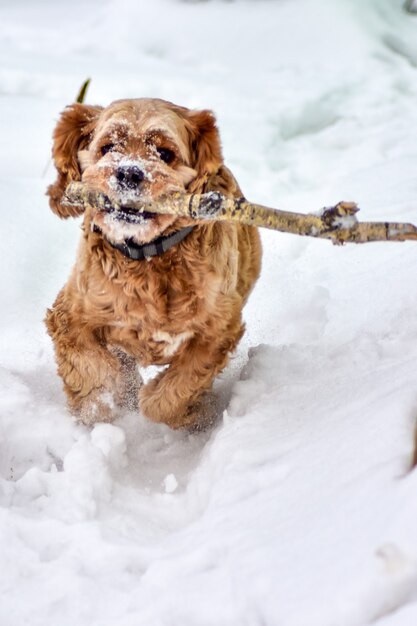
[297, 509]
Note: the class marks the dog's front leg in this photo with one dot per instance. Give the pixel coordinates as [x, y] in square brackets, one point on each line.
[173, 397]
[96, 380]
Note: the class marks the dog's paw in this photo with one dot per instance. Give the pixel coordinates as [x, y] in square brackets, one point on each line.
[158, 407]
[98, 406]
[197, 415]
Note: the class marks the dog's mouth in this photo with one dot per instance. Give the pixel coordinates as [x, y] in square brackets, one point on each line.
[129, 215]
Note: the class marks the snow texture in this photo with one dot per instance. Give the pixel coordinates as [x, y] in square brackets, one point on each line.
[298, 508]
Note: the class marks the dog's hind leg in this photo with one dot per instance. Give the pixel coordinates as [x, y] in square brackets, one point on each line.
[129, 380]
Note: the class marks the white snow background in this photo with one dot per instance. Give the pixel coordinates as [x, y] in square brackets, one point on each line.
[298, 508]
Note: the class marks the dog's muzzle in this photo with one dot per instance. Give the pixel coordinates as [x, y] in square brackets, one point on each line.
[129, 215]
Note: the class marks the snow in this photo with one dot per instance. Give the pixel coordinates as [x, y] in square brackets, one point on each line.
[298, 508]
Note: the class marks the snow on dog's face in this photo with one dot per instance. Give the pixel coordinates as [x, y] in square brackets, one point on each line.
[133, 150]
[139, 151]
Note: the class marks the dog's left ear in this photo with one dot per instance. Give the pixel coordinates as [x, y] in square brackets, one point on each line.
[206, 152]
[72, 134]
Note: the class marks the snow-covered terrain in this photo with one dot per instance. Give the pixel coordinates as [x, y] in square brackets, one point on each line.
[298, 508]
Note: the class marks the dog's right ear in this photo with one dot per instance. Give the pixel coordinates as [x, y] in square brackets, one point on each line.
[72, 134]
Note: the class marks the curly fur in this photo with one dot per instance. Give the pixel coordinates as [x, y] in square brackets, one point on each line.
[181, 309]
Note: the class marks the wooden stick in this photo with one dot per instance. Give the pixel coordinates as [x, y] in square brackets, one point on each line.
[338, 223]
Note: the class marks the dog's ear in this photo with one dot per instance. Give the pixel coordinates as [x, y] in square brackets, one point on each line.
[72, 134]
[206, 153]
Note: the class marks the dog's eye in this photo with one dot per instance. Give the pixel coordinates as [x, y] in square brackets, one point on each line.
[105, 149]
[166, 155]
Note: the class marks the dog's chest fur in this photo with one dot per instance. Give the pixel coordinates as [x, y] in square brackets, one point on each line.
[152, 309]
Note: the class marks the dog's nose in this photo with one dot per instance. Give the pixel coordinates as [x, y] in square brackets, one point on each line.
[129, 176]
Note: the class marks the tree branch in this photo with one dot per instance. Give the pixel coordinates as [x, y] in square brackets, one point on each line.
[338, 223]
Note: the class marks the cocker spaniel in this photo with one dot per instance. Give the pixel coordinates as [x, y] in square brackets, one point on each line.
[146, 289]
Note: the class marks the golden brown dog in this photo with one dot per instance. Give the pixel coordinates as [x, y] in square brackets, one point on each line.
[146, 288]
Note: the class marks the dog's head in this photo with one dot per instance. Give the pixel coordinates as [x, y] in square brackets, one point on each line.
[133, 150]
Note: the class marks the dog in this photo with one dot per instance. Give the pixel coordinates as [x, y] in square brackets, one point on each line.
[146, 289]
